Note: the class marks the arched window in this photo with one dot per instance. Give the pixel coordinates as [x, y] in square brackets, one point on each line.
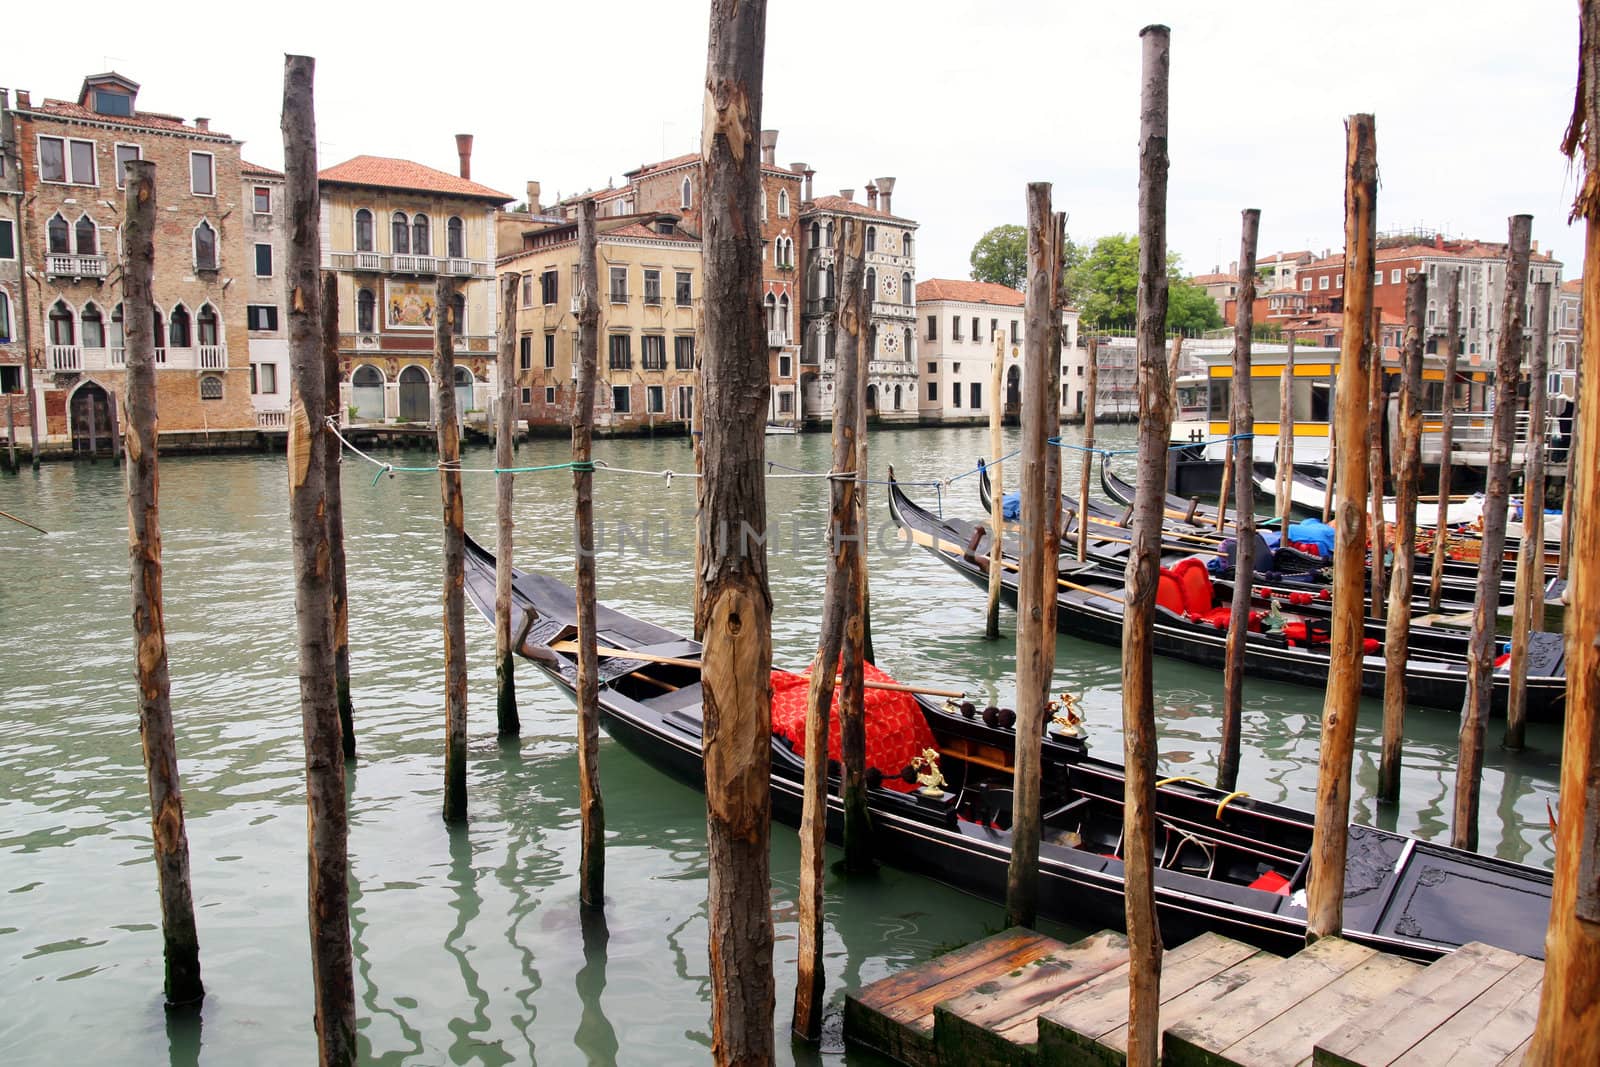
[771, 305]
[211, 387]
[206, 325]
[455, 240]
[763, 205]
[421, 240]
[686, 195]
[783, 315]
[158, 336]
[62, 332]
[783, 203]
[366, 311]
[400, 234]
[816, 234]
[872, 238]
[178, 328]
[205, 247]
[5, 315]
[93, 326]
[458, 314]
[911, 335]
[60, 236]
[905, 244]
[827, 286]
[87, 236]
[872, 282]
[363, 230]
[906, 293]
[827, 241]
[118, 339]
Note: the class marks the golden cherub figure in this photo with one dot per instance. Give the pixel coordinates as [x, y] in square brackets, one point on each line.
[928, 776]
[1069, 720]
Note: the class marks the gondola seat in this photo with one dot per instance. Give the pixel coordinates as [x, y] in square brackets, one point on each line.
[897, 730]
[1193, 581]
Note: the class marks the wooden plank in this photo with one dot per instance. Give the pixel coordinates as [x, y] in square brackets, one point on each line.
[1395, 1024]
[1488, 1029]
[1291, 1037]
[889, 990]
[1200, 1038]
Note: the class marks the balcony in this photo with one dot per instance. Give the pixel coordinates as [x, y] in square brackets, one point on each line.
[464, 268]
[119, 358]
[373, 261]
[414, 265]
[777, 339]
[574, 305]
[272, 420]
[213, 357]
[65, 359]
[65, 266]
[894, 310]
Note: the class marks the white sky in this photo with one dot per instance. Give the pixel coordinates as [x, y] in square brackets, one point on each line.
[962, 101]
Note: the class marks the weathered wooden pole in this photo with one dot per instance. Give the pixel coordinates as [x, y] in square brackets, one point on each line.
[1172, 367]
[1051, 561]
[1528, 610]
[1496, 502]
[1447, 428]
[737, 709]
[1091, 389]
[505, 674]
[180, 942]
[1377, 470]
[11, 434]
[991, 626]
[863, 500]
[1408, 473]
[838, 603]
[1568, 1030]
[327, 826]
[591, 808]
[1144, 561]
[1227, 470]
[1329, 841]
[1285, 483]
[1242, 430]
[336, 554]
[851, 335]
[448, 429]
[1333, 451]
[1033, 677]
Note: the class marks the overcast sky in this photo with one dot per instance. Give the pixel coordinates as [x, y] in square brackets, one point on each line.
[963, 102]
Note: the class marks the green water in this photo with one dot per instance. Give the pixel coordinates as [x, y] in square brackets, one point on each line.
[468, 943]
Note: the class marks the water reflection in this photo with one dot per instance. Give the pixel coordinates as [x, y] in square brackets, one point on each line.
[595, 1036]
[468, 1045]
[183, 1035]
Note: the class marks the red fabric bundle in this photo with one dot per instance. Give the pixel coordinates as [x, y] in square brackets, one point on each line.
[897, 731]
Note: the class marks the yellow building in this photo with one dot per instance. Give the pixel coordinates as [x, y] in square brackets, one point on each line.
[648, 271]
[392, 230]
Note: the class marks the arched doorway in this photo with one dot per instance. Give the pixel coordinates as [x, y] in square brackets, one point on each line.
[1013, 388]
[897, 398]
[91, 420]
[366, 391]
[872, 399]
[463, 392]
[414, 405]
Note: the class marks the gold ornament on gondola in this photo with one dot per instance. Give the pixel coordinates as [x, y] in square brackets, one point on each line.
[928, 776]
[1068, 721]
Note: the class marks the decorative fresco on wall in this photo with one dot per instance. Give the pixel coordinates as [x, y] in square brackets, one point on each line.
[408, 305]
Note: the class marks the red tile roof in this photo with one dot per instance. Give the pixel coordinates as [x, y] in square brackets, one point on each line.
[694, 157]
[639, 229]
[850, 207]
[150, 120]
[255, 170]
[381, 172]
[969, 292]
[1574, 285]
[1212, 279]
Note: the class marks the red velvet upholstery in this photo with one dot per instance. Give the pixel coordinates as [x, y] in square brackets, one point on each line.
[1198, 596]
[897, 730]
[1169, 594]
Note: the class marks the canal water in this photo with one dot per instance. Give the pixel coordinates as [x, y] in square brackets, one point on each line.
[468, 943]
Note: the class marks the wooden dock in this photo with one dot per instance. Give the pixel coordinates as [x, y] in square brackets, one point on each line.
[1021, 997]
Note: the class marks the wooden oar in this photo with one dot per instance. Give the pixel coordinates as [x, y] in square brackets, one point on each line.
[24, 522]
[674, 661]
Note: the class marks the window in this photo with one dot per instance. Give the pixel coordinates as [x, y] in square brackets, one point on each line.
[977, 394]
[8, 240]
[205, 325]
[107, 102]
[955, 327]
[263, 261]
[525, 352]
[906, 291]
[683, 352]
[116, 337]
[5, 316]
[178, 328]
[785, 366]
[783, 203]
[975, 328]
[872, 283]
[399, 234]
[933, 327]
[549, 286]
[816, 235]
[421, 238]
[10, 377]
[1377, 278]
[786, 402]
[620, 347]
[683, 289]
[93, 327]
[655, 399]
[363, 230]
[455, 240]
[202, 174]
[158, 336]
[261, 200]
[905, 244]
[549, 395]
[872, 238]
[264, 378]
[686, 194]
[211, 387]
[1305, 284]
[263, 316]
[653, 352]
[994, 328]
[652, 286]
[955, 394]
[58, 236]
[205, 247]
[763, 205]
[458, 314]
[366, 311]
[933, 392]
[66, 161]
[620, 399]
[1394, 276]
[1322, 282]
[1016, 331]
[62, 331]
[619, 285]
[1433, 315]
[86, 235]
[125, 154]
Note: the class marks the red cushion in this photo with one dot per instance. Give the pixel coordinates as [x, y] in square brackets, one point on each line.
[1195, 580]
[897, 731]
[1272, 882]
[1370, 646]
[1221, 618]
[1168, 593]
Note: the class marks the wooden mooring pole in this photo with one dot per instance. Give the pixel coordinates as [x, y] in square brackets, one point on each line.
[838, 601]
[11, 434]
[863, 574]
[336, 555]
[180, 942]
[851, 334]
[507, 719]
[1447, 431]
[1330, 840]
[1568, 1030]
[1285, 480]
[1242, 431]
[1091, 391]
[448, 429]
[1333, 451]
[991, 619]
[591, 809]
[1528, 610]
[1144, 560]
[1033, 678]
[1496, 501]
[1377, 471]
[737, 709]
[1408, 472]
[328, 890]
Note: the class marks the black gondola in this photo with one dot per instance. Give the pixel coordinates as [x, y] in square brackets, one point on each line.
[1234, 865]
[1436, 674]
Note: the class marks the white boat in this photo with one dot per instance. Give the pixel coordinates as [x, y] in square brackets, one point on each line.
[778, 428]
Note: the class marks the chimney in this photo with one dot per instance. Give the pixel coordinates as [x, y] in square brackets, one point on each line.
[769, 147]
[886, 188]
[1438, 240]
[464, 152]
[1534, 247]
[872, 196]
[23, 100]
[203, 125]
[533, 197]
[805, 197]
[848, 194]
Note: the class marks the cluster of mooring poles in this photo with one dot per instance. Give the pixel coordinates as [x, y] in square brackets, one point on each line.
[733, 605]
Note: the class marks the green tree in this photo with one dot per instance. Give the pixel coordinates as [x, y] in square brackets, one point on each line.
[1190, 308]
[1106, 284]
[1001, 256]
